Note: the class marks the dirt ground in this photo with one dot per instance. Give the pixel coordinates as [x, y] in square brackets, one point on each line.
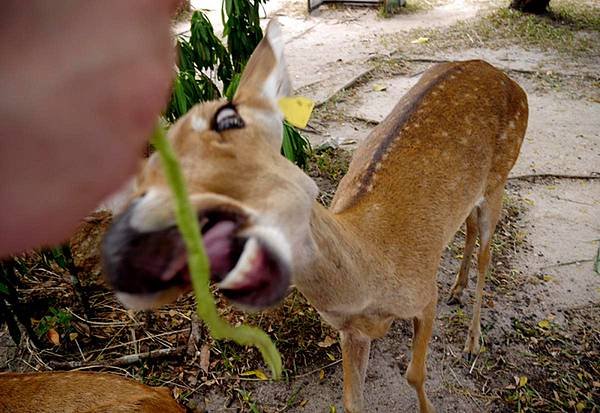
[540, 318]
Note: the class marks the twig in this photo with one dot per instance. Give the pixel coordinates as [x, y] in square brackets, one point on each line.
[102, 323]
[194, 337]
[333, 363]
[121, 361]
[594, 175]
[564, 264]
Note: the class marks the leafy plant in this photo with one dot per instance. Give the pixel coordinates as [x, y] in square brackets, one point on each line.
[208, 70]
[59, 320]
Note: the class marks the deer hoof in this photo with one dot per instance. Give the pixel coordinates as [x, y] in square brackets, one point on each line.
[472, 347]
[454, 299]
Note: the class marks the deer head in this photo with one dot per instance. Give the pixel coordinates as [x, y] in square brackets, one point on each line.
[253, 205]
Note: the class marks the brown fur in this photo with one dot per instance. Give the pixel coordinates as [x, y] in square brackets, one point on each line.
[80, 392]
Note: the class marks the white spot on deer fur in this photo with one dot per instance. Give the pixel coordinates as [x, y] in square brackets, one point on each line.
[378, 166]
[512, 124]
[199, 124]
[370, 187]
[503, 136]
[523, 105]
[444, 134]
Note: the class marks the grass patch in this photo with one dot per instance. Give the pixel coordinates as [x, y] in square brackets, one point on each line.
[571, 28]
[558, 367]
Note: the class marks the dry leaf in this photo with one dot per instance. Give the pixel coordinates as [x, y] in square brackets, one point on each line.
[328, 342]
[257, 373]
[420, 40]
[321, 375]
[545, 324]
[378, 87]
[205, 358]
[53, 336]
[522, 381]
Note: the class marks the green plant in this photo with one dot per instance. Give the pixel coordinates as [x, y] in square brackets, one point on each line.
[204, 62]
[199, 265]
[59, 320]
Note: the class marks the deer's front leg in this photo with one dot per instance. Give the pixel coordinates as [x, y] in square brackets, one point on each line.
[355, 355]
[417, 372]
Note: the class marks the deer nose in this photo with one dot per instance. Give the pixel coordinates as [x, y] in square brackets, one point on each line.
[135, 261]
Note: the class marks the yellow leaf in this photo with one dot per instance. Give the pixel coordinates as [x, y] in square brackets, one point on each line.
[321, 375]
[545, 324]
[330, 356]
[327, 342]
[377, 87]
[257, 373]
[522, 381]
[548, 278]
[53, 337]
[580, 406]
[73, 336]
[420, 40]
[332, 409]
[296, 110]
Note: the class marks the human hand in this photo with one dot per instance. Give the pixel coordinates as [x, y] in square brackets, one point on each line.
[82, 85]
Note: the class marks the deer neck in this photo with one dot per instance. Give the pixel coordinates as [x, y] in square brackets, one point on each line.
[341, 271]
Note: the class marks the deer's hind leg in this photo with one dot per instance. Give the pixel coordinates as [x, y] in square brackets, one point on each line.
[462, 278]
[489, 213]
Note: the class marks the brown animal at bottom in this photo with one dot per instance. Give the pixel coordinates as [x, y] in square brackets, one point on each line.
[81, 392]
[440, 158]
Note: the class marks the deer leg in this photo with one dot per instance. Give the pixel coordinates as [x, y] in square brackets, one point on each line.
[416, 372]
[489, 212]
[462, 278]
[355, 358]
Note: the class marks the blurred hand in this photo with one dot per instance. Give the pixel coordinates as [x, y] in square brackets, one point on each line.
[81, 85]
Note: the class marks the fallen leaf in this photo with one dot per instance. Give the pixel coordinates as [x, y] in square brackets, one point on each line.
[420, 40]
[327, 342]
[257, 373]
[522, 381]
[548, 278]
[73, 336]
[321, 375]
[377, 87]
[53, 336]
[545, 324]
[205, 358]
[332, 409]
[580, 406]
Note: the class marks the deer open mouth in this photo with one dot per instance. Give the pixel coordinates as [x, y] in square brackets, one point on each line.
[146, 267]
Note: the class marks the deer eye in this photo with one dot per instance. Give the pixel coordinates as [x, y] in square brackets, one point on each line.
[227, 117]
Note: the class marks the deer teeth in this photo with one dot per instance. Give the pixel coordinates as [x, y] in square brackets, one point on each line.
[237, 276]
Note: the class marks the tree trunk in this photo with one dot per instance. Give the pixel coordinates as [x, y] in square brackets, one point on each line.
[530, 6]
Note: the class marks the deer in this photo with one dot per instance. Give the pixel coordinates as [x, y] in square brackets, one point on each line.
[440, 158]
[76, 392]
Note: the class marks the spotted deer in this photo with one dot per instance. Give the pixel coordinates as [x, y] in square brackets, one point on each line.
[442, 156]
[76, 392]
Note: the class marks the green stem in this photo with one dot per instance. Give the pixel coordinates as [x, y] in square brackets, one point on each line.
[199, 265]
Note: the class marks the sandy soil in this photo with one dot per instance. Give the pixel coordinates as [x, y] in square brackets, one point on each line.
[561, 217]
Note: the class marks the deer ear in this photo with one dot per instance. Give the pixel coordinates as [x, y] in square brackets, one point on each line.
[266, 73]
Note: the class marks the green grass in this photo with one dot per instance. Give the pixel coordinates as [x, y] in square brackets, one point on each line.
[571, 28]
